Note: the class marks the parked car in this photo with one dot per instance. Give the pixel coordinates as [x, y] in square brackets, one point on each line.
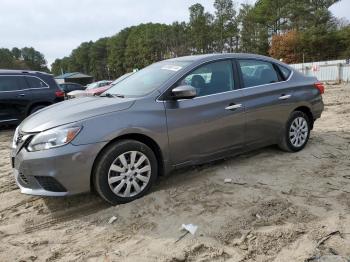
[69, 87]
[25, 92]
[98, 91]
[171, 114]
[89, 89]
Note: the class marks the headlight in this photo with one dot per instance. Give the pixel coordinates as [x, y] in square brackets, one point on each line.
[15, 137]
[52, 138]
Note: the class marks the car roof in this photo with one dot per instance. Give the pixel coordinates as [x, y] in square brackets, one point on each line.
[12, 71]
[205, 57]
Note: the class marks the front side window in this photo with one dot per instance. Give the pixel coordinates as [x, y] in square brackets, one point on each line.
[257, 72]
[148, 79]
[211, 78]
[35, 82]
[11, 83]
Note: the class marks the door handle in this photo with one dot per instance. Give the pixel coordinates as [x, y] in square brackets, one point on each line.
[233, 107]
[284, 97]
[21, 94]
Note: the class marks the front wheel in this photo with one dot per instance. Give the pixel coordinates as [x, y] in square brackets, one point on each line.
[125, 171]
[297, 132]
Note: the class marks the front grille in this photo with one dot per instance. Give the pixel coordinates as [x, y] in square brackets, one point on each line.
[50, 184]
[24, 179]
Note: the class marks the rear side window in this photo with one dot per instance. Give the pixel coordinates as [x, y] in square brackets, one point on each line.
[11, 83]
[256, 72]
[35, 82]
[285, 72]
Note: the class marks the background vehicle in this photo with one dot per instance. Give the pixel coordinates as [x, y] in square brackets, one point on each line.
[89, 89]
[98, 84]
[171, 114]
[69, 87]
[99, 90]
[24, 92]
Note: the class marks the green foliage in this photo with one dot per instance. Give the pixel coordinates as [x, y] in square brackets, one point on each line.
[248, 28]
[26, 58]
[146, 43]
[226, 25]
[200, 29]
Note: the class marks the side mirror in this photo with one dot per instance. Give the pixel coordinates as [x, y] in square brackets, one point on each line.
[184, 92]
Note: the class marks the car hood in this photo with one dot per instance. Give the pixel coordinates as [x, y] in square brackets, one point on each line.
[73, 110]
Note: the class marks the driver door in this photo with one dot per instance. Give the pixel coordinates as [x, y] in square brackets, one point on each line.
[211, 124]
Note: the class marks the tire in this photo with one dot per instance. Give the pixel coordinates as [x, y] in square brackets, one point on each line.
[35, 109]
[299, 123]
[116, 180]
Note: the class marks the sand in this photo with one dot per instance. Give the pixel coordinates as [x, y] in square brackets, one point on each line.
[279, 207]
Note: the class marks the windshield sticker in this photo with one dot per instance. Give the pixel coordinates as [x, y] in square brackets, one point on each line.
[171, 67]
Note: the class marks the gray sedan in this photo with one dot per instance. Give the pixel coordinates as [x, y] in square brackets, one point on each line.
[171, 114]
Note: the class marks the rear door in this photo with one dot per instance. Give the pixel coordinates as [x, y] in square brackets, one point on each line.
[13, 98]
[268, 100]
[212, 123]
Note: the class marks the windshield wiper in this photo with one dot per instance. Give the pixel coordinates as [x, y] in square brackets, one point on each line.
[112, 95]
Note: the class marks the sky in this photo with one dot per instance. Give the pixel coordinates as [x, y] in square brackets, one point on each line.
[56, 27]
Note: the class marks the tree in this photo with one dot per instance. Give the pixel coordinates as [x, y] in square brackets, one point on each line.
[146, 44]
[178, 39]
[254, 36]
[201, 29]
[343, 36]
[282, 28]
[34, 59]
[286, 47]
[26, 58]
[116, 46]
[226, 25]
[6, 59]
[98, 59]
[17, 53]
[80, 57]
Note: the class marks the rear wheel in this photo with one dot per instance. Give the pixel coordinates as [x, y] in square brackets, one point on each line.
[297, 132]
[125, 171]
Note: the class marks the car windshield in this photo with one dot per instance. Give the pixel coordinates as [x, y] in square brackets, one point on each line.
[147, 80]
[119, 79]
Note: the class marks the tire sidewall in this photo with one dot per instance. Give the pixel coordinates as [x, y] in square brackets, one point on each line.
[108, 156]
[293, 116]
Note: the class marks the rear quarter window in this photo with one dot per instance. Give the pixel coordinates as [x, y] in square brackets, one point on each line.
[285, 72]
[35, 82]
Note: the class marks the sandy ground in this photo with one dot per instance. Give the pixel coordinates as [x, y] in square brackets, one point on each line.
[280, 207]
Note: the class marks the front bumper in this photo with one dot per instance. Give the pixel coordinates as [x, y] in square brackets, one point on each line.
[59, 171]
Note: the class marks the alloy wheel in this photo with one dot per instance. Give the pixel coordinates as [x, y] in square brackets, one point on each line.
[298, 132]
[129, 174]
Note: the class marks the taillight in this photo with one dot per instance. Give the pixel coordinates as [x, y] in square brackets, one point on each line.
[59, 93]
[320, 87]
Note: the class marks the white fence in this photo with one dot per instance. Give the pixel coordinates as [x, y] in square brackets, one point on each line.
[336, 70]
